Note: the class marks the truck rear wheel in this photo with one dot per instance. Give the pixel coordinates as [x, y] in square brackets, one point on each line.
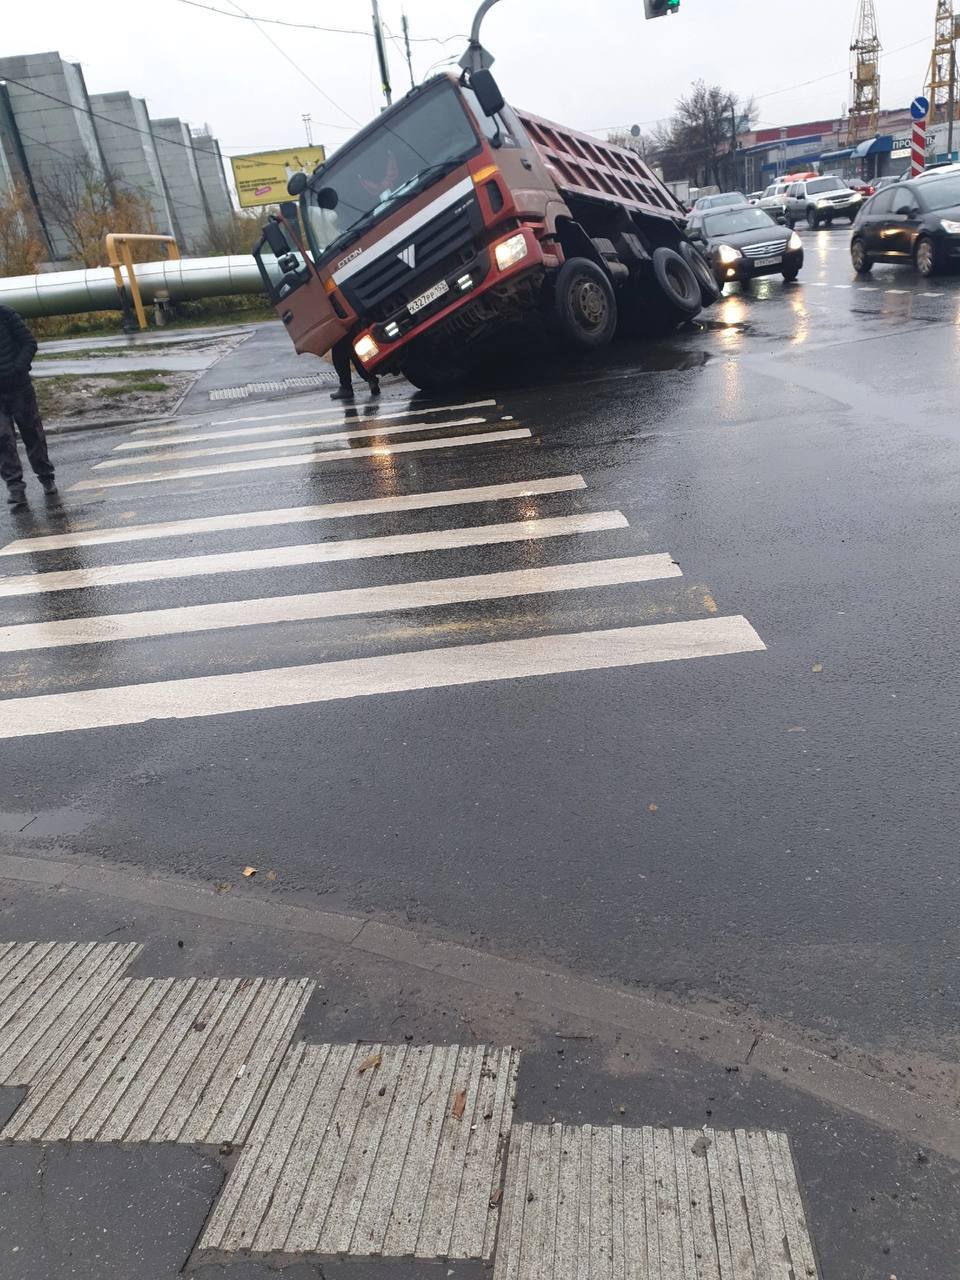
[678, 287]
[584, 304]
[709, 289]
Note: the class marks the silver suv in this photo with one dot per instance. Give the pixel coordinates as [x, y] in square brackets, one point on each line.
[821, 200]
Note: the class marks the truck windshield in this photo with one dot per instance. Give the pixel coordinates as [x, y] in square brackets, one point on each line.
[405, 152]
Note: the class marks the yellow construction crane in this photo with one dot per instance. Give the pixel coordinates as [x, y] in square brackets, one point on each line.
[942, 79]
[864, 118]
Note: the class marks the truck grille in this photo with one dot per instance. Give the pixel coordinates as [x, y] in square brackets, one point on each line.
[769, 250]
[431, 245]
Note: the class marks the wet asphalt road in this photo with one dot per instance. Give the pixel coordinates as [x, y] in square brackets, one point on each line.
[773, 829]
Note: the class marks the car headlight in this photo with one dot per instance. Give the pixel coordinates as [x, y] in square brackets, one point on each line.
[511, 251]
[727, 254]
[794, 243]
[824, 200]
[950, 227]
[366, 348]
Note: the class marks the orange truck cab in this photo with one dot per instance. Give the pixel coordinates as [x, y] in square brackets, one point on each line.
[452, 222]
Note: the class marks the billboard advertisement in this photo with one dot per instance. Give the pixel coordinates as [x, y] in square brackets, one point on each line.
[261, 177]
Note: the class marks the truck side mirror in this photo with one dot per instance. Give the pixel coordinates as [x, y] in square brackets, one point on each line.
[275, 238]
[296, 184]
[327, 198]
[488, 92]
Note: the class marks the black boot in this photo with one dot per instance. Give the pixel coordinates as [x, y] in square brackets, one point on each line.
[374, 386]
[17, 494]
[342, 393]
[49, 486]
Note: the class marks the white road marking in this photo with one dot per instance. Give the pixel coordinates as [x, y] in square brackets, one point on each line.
[931, 295]
[842, 286]
[303, 459]
[334, 412]
[188, 435]
[336, 604]
[363, 677]
[288, 442]
[896, 290]
[294, 515]
[309, 553]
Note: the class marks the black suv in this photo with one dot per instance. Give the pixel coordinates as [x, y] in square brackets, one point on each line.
[916, 223]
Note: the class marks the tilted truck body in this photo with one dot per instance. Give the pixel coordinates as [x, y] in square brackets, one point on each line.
[443, 230]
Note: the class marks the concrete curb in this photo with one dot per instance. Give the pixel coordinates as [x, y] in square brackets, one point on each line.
[866, 1084]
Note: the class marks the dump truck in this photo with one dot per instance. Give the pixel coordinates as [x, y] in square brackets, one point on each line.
[453, 226]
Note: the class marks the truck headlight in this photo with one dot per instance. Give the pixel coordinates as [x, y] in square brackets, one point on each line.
[950, 227]
[511, 251]
[728, 254]
[366, 348]
[794, 243]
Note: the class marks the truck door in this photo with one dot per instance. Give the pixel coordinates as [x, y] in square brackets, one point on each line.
[296, 290]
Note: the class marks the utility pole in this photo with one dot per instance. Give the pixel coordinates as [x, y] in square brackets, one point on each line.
[381, 54]
[952, 99]
[406, 43]
[308, 127]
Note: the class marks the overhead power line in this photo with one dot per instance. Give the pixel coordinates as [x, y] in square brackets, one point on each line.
[772, 93]
[313, 26]
[296, 66]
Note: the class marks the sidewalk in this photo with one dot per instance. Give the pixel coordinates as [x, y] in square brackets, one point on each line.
[192, 1052]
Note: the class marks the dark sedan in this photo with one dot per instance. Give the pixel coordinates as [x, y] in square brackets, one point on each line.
[916, 223]
[741, 244]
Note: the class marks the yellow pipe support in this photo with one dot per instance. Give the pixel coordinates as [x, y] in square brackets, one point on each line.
[119, 255]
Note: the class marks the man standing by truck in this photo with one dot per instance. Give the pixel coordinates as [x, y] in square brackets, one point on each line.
[19, 411]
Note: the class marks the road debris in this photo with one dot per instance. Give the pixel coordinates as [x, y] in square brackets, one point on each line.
[370, 1063]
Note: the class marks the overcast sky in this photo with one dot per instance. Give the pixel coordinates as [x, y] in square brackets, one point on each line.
[590, 63]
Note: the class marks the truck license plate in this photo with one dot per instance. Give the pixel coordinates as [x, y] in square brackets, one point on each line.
[761, 262]
[431, 295]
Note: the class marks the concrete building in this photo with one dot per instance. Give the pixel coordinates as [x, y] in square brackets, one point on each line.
[54, 130]
[130, 152]
[213, 178]
[178, 161]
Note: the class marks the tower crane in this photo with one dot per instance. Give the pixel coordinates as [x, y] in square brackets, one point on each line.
[864, 118]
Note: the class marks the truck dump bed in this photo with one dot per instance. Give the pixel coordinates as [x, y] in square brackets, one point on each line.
[585, 167]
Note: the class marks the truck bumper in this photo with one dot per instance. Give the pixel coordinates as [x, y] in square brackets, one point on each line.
[491, 275]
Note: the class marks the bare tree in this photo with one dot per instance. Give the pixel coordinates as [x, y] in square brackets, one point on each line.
[21, 241]
[84, 204]
[237, 233]
[700, 140]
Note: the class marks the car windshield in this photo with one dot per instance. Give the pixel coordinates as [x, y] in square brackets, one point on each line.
[940, 193]
[824, 184]
[734, 220]
[431, 135]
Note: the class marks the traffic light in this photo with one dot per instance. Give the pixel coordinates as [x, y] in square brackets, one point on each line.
[660, 8]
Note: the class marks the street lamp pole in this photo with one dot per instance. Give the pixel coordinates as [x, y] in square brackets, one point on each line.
[476, 57]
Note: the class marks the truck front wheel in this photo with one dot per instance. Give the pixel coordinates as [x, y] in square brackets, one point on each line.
[430, 373]
[584, 304]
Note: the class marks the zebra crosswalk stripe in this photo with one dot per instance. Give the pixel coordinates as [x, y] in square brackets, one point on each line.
[156, 436]
[260, 690]
[310, 553]
[295, 515]
[304, 459]
[288, 442]
[332, 604]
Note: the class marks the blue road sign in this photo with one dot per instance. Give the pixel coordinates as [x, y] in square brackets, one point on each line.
[920, 108]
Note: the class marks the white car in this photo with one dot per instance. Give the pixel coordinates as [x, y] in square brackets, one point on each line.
[773, 200]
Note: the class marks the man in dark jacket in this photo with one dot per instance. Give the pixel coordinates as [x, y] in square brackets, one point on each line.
[18, 405]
